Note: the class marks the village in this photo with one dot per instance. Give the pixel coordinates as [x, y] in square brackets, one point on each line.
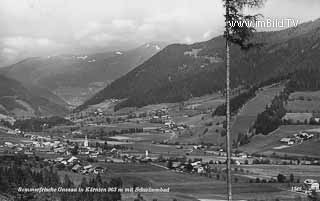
[82, 152]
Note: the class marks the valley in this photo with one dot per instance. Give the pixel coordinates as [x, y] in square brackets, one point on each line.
[176, 146]
[154, 117]
[75, 78]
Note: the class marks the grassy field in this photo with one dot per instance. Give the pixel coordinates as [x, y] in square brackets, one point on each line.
[298, 117]
[185, 186]
[206, 130]
[262, 143]
[248, 114]
[308, 101]
[157, 149]
[205, 102]
[309, 148]
[300, 172]
[5, 137]
[143, 137]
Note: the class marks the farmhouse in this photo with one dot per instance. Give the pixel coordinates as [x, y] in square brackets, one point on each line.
[59, 159]
[76, 168]
[60, 150]
[285, 140]
[8, 144]
[242, 155]
[87, 167]
[98, 170]
[199, 169]
[72, 159]
[176, 164]
[196, 163]
[289, 141]
[311, 185]
[64, 162]
[305, 136]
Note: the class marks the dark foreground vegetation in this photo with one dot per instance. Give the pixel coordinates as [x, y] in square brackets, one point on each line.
[31, 172]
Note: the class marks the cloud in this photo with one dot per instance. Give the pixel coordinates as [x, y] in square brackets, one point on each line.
[13, 48]
[123, 24]
[41, 27]
[188, 40]
[21, 42]
[8, 53]
[89, 28]
[206, 34]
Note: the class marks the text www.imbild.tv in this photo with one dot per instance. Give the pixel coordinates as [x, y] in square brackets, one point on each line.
[267, 23]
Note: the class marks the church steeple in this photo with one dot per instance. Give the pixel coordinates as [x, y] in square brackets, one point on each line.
[86, 143]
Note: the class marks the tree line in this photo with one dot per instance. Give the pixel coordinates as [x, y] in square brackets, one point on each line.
[236, 102]
[37, 124]
[301, 80]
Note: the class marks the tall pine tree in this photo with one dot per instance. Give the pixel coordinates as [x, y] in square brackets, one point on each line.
[237, 33]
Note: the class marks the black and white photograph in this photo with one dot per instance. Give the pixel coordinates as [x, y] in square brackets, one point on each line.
[159, 100]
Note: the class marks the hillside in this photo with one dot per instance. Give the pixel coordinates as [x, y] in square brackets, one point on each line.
[75, 78]
[16, 100]
[179, 71]
[249, 112]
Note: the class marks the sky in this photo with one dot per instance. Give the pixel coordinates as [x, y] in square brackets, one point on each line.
[32, 28]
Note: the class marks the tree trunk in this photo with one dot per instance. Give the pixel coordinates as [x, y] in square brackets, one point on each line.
[228, 120]
[228, 105]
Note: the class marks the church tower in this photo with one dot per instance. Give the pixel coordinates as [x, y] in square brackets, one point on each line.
[86, 143]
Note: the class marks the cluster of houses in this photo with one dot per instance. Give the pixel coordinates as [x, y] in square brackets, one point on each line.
[311, 185]
[160, 116]
[33, 144]
[99, 116]
[297, 138]
[45, 144]
[308, 186]
[75, 165]
[195, 167]
[10, 131]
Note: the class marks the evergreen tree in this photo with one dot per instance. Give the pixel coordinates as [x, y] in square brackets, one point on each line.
[239, 35]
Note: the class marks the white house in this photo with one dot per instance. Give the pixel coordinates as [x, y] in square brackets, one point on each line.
[196, 163]
[311, 184]
[200, 170]
[72, 159]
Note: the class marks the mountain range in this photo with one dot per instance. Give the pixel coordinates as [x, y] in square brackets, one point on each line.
[181, 71]
[74, 78]
[18, 101]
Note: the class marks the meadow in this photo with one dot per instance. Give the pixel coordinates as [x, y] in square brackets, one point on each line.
[261, 143]
[306, 101]
[185, 186]
[248, 113]
[300, 172]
